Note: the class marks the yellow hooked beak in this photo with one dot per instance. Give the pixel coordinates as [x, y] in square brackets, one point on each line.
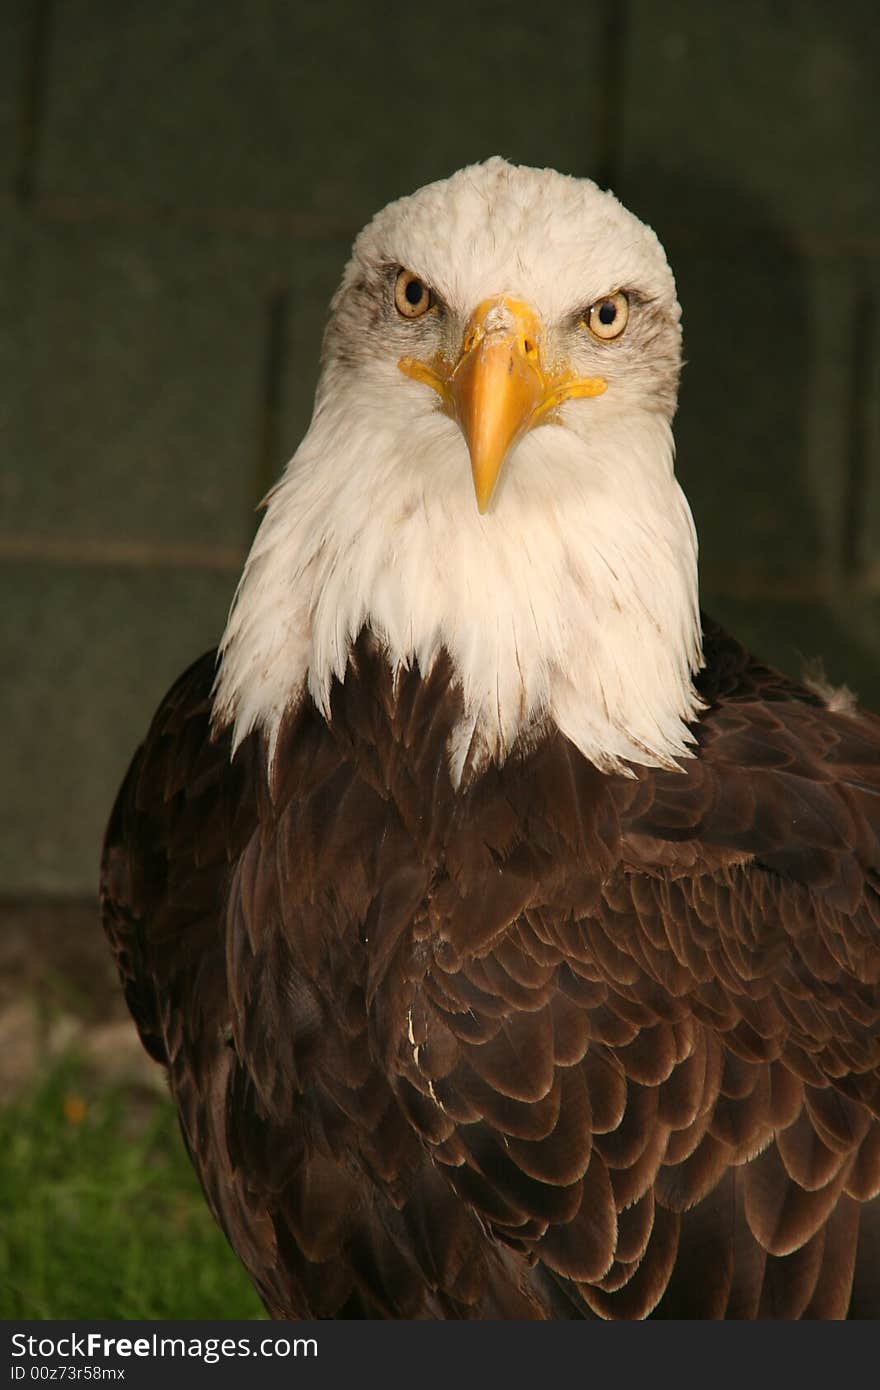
[498, 387]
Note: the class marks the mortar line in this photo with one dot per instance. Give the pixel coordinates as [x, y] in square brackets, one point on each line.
[32, 104]
[613, 43]
[853, 556]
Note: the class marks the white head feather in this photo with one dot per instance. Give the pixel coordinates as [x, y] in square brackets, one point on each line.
[574, 598]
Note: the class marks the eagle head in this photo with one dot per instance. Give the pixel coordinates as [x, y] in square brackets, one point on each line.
[489, 474]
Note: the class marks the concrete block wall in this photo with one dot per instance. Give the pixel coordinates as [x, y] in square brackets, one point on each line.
[179, 185]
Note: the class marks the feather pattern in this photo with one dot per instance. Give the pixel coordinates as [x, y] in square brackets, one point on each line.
[560, 1043]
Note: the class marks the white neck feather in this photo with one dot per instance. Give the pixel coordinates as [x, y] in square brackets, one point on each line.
[574, 599]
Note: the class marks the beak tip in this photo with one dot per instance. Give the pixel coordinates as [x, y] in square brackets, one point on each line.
[483, 500]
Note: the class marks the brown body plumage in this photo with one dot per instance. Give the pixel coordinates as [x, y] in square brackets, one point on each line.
[555, 1043]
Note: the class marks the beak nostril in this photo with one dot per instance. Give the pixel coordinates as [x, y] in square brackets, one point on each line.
[528, 347]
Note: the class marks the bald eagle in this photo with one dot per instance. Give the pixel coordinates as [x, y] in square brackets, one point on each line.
[510, 935]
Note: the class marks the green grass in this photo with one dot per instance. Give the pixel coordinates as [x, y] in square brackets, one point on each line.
[101, 1214]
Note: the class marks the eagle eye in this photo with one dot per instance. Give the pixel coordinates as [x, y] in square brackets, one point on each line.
[412, 296]
[607, 318]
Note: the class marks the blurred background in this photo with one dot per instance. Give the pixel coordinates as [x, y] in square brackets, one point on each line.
[180, 185]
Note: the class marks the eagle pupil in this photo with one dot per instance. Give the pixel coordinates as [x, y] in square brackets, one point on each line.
[608, 313]
[414, 292]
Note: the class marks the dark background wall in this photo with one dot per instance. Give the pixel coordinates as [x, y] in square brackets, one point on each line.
[180, 185]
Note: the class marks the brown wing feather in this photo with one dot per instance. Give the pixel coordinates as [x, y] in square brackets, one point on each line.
[557, 1044]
